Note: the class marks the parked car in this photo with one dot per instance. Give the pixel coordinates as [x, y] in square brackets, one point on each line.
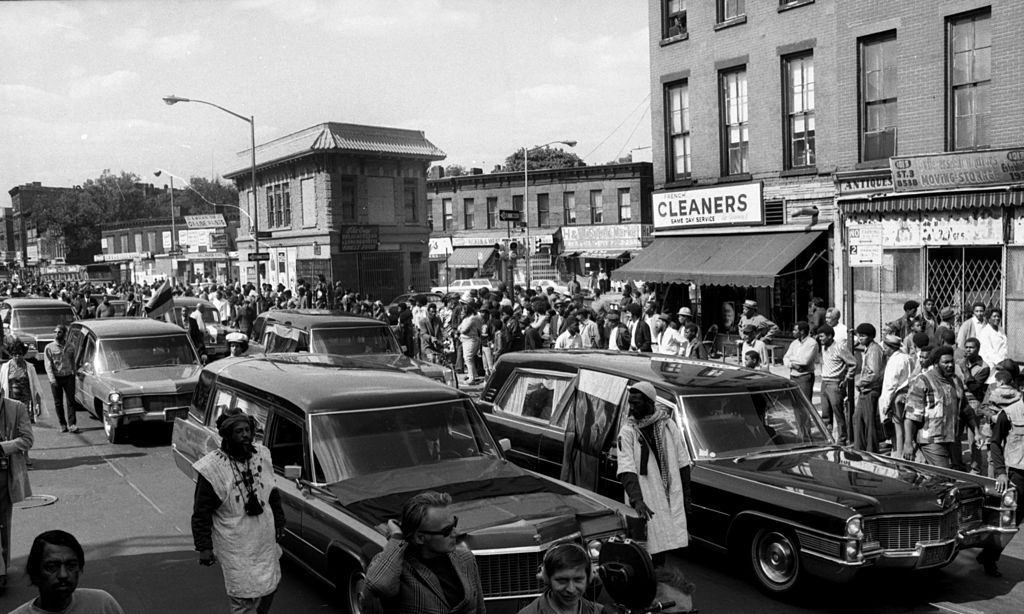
[409, 299]
[349, 443]
[132, 370]
[324, 331]
[215, 333]
[32, 320]
[462, 285]
[770, 485]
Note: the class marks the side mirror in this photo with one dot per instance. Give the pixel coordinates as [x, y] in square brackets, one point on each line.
[292, 472]
[505, 444]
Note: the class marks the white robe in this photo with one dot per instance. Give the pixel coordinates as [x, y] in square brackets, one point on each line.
[666, 530]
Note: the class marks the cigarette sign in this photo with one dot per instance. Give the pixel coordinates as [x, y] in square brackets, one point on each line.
[738, 204]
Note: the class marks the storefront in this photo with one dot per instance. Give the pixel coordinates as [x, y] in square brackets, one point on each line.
[593, 252]
[950, 228]
[715, 247]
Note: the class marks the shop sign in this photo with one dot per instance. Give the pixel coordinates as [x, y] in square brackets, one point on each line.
[864, 244]
[359, 238]
[218, 241]
[545, 239]
[121, 256]
[1018, 231]
[939, 229]
[957, 170]
[726, 205]
[864, 184]
[613, 236]
[213, 220]
[440, 247]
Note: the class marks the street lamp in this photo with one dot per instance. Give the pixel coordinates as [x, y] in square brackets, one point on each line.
[254, 218]
[174, 238]
[526, 199]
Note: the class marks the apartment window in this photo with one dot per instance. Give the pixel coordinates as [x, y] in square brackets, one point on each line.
[735, 129]
[569, 208]
[730, 9]
[625, 206]
[285, 203]
[596, 207]
[446, 211]
[677, 98]
[674, 12]
[271, 207]
[492, 211]
[543, 209]
[430, 214]
[348, 199]
[411, 210]
[878, 97]
[467, 213]
[799, 100]
[517, 202]
[970, 74]
[152, 245]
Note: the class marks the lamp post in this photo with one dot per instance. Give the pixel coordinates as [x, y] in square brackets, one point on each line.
[174, 234]
[526, 199]
[254, 218]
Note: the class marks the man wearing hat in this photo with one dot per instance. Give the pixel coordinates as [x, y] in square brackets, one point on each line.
[238, 344]
[230, 520]
[766, 329]
[654, 468]
[892, 401]
[868, 384]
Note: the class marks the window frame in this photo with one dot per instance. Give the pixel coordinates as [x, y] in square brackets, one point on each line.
[510, 385]
[952, 89]
[468, 213]
[789, 115]
[447, 215]
[671, 135]
[722, 10]
[543, 212]
[569, 209]
[668, 16]
[274, 419]
[411, 205]
[743, 125]
[863, 104]
[596, 206]
[492, 212]
[347, 191]
[628, 217]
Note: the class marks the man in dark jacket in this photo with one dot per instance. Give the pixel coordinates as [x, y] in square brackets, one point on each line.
[639, 331]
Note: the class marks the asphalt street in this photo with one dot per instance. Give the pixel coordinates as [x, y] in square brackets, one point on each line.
[130, 507]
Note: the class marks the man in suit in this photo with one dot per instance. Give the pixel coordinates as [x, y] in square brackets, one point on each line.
[420, 571]
[639, 331]
[15, 440]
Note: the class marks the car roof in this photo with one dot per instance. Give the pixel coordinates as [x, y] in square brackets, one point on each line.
[319, 383]
[309, 318]
[190, 301]
[36, 302]
[681, 375]
[108, 328]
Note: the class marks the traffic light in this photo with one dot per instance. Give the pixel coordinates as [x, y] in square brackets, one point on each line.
[513, 249]
[537, 244]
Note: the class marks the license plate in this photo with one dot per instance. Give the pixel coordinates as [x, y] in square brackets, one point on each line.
[175, 412]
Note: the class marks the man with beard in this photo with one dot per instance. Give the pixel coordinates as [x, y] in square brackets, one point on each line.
[229, 520]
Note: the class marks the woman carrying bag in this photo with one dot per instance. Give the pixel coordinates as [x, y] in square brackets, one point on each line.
[18, 380]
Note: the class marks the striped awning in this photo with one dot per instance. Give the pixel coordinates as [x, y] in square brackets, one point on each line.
[914, 202]
[469, 257]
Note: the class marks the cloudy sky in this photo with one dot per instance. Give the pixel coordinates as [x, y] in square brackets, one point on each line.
[81, 82]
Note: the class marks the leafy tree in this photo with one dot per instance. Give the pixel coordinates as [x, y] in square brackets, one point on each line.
[545, 157]
[201, 196]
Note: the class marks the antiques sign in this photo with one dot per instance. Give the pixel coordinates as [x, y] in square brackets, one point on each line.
[725, 205]
[957, 170]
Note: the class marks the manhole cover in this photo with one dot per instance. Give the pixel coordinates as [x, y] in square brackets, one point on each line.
[35, 501]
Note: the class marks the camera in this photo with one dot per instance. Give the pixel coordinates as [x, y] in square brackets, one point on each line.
[253, 507]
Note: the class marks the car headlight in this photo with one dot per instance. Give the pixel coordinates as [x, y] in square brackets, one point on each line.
[1006, 518]
[852, 549]
[114, 397]
[854, 528]
[1009, 498]
[594, 549]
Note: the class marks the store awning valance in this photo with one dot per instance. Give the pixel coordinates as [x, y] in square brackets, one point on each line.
[914, 202]
[717, 260]
[469, 257]
[604, 254]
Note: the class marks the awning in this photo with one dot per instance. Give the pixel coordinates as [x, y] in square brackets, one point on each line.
[913, 202]
[722, 260]
[469, 257]
[604, 254]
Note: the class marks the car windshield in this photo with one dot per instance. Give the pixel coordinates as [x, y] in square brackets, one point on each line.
[735, 424]
[41, 317]
[353, 340]
[142, 352]
[355, 443]
[210, 315]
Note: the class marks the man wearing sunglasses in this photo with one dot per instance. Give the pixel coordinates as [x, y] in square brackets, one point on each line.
[420, 568]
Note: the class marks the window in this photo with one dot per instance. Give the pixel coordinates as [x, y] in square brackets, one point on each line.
[535, 396]
[411, 210]
[674, 15]
[569, 208]
[878, 97]
[517, 202]
[348, 199]
[799, 101]
[430, 214]
[969, 63]
[279, 206]
[284, 440]
[730, 9]
[492, 211]
[151, 243]
[625, 207]
[596, 207]
[677, 100]
[735, 129]
[286, 205]
[467, 213]
[543, 209]
[446, 212]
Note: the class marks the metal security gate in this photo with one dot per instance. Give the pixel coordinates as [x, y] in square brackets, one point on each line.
[961, 276]
[377, 274]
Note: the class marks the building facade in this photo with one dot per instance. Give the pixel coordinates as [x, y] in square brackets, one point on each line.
[340, 200]
[581, 221]
[31, 246]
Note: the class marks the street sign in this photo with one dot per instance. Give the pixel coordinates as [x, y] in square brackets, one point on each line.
[510, 215]
[257, 256]
[264, 234]
[174, 253]
[865, 245]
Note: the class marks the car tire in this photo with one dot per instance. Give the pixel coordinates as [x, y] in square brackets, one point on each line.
[352, 595]
[113, 427]
[774, 556]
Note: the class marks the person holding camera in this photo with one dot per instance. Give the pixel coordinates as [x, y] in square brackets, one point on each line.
[421, 568]
[230, 522]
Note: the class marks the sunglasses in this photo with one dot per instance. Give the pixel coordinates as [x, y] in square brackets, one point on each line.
[445, 531]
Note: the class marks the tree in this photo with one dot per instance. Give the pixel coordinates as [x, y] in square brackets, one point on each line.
[454, 170]
[202, 196]
[545, 157]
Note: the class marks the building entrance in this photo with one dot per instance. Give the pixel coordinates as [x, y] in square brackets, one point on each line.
[961, 276]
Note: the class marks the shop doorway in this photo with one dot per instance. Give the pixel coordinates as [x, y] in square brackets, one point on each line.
[961, 276]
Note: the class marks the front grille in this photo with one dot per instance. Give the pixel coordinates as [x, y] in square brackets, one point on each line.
[936, 555]
[160, 402]
[905, 532]
[824, 545]
[970, 512]
[510, 575]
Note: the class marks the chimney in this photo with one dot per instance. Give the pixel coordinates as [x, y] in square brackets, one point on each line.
[435, 172]
[476, 171]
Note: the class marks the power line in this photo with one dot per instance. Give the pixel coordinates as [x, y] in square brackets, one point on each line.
[630, 114]
[635, 126]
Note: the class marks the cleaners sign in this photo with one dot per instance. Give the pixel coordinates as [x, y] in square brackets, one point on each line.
[735, 204]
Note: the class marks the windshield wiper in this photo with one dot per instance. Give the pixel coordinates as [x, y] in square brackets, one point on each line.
[786, 450]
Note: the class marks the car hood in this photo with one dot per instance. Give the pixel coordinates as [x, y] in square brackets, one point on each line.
[499, 505]
[37, 332]
[402, 362]
[868, 483]
[171, 379]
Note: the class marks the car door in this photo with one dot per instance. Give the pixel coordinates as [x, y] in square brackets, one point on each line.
[194, 434]
[522, 412]
[84, 353]
[285, 438]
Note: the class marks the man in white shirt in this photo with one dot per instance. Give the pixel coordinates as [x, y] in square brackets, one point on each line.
[899, 368]
[570, 337]
[589, 333]
[801, 358]
[972, 327]
[751, 343]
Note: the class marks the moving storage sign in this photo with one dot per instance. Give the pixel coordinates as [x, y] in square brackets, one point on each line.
[727, 205]
[957, 170]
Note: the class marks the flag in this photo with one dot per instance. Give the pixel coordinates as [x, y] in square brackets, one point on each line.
[161, 302]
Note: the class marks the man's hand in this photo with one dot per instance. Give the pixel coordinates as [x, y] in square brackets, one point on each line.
[206, 558]
[279, 534]
[643, 511]
[908, 451]
[1001, 483]
[394, 530]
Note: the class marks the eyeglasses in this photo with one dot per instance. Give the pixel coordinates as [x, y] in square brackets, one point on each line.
[54, 566]
[445, 531]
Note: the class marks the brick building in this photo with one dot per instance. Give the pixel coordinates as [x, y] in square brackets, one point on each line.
[341, 200]
[31, 247]
[582, 220]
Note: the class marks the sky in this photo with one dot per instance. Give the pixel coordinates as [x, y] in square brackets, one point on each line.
[81, 83]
